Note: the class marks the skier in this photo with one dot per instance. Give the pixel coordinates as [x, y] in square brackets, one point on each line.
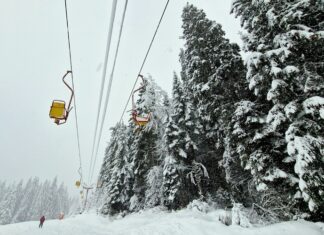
[61, 216]
[42, 219]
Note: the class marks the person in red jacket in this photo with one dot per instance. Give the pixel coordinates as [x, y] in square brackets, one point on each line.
[42, 219]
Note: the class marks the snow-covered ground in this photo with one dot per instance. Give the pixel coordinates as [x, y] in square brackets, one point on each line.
[156, 222]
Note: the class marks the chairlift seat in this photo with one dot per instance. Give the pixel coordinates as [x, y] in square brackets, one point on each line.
[58, 110]
[141, 121]
[77, 183]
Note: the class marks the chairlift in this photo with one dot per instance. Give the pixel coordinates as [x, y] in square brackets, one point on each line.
[139, 120]
[77, 183]
[59, 112]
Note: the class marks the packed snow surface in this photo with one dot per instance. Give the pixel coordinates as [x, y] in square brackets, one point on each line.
[154, 221]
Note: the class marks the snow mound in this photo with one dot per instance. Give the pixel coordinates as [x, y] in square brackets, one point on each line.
[156, 221]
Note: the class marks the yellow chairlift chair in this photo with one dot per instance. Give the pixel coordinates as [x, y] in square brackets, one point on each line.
[77, 183]
[58, 110]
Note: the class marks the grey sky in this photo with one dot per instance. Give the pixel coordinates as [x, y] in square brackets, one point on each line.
[34, 57]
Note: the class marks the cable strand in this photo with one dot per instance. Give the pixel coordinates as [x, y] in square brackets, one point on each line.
[109, 87]
[74, 100]
[145, 58]
[111, 26]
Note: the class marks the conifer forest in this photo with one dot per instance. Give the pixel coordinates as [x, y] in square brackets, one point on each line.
[178, 117]
[244, 126]
[21, 201]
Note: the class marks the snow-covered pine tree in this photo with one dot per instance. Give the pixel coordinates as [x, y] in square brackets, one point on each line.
[7, 205]
[106, 172]
[213, 68]
[30, 191]
[154, 178]
[53, 205]
[63, 203]
[19, 194]
[154, 181]
[244, 123]
[175, 192]
[192, 127]
[284, 42]
[175, 133]
[39, 204]
[127, 173]
[132, 154]
[3, 189]
[213, 74]
[118, 166]
[28, 202]
[105, 175]
[144, 154]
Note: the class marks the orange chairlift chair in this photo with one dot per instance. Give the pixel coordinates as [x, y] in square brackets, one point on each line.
[58, 110]
[139, 120]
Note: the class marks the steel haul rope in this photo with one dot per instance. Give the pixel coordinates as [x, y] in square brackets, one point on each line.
[145, 58]
[111, 26]
[109, 88]
[75, 108]
[141, 68]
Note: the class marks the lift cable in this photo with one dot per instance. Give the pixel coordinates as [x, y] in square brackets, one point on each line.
[110, 31]
[109, 88]
[145, 58]
[141, 68]
[75, 107]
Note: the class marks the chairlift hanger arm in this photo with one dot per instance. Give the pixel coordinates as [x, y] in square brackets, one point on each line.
[138, 89]
[139, 120]
[70, 88]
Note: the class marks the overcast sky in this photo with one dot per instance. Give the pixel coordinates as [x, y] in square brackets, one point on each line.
[34, 57]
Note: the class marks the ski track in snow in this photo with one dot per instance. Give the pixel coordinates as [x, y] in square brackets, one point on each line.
[152, 222]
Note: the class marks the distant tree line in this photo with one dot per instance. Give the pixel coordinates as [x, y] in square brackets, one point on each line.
[24, 202]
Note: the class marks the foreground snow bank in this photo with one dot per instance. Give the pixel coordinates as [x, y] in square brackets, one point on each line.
[156, 222]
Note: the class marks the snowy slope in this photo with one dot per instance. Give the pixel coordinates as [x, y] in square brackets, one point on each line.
[156, 222]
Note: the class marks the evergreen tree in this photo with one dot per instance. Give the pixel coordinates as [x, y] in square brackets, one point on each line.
[30, 191]
[105, 175]
[116, 153]
[22, 203]
[175, 133]
[263, 147]
[7, 205]
[191, 125]
[63, 202]
[174, 194]
[153, 194]
[285, 71]
[134, 153]
[144, 148]
[128, 173]
[53, 207]
[213, 77]
[3, 189]
[19, 194]
[177, 137]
